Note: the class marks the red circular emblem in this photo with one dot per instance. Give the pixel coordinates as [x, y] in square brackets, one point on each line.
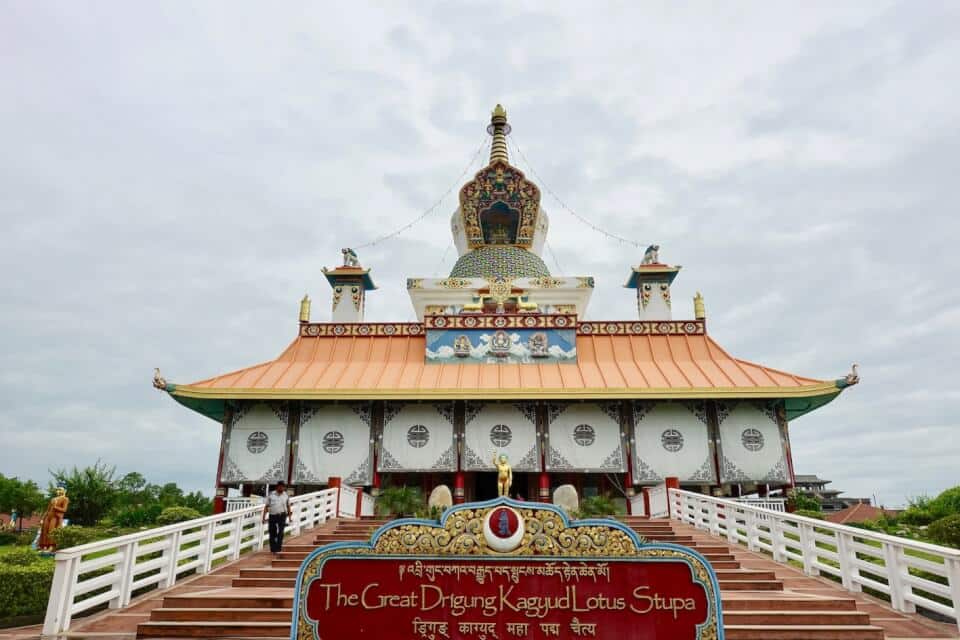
[504, 522]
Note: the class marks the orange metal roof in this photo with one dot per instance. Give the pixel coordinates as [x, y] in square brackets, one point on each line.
[607, 366]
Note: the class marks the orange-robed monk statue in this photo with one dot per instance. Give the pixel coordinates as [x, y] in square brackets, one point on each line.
[504, 474]
[53, 519]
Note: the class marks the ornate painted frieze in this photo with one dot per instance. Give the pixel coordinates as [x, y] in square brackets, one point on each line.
[494, 346]
[344, 329]
[502, 321]
[644, 328]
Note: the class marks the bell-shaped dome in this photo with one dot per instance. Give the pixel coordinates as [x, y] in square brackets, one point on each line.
[500, 260]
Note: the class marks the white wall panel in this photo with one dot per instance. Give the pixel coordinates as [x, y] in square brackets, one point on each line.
[334, 441]
[418, 437]
[585, 437]
[256, 448]
[751, 449]
[501, 428]
[672, 441]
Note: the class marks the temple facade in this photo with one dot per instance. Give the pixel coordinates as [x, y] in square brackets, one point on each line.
[499, 360]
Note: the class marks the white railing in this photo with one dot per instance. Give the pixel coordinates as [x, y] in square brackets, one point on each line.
[112, 571]
[348, 502]
[773, 504]
[239, 502]
[908, 572]
[368, 506]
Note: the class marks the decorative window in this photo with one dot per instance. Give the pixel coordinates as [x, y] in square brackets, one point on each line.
[672, 440]
[584, 435]
[333, 442]
[418, 436]
[752, 439]
[257, 442]
[500, 435]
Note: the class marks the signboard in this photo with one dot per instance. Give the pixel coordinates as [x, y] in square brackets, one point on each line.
[505, 569]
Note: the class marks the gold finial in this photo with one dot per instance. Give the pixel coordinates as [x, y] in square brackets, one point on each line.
[305, 309]
[699, 310]
[499, 129]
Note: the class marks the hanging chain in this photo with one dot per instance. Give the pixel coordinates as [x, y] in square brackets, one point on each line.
[569, 210]
[433, 207]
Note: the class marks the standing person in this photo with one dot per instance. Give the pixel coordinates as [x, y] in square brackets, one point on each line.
[276, 508]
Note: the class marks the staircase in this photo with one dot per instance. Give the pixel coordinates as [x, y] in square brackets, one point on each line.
[756, 603]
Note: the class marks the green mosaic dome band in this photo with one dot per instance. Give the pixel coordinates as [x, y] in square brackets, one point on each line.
[493, 261]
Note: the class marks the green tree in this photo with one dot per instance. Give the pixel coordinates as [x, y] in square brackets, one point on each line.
[199, 502]
[399, 501]
[92, 492]
[170, 495]
[23, 497]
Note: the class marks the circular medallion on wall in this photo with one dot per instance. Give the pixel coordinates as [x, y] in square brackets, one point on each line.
[560, 321]
[500, 435]
[752, 439]
[586, 328]
[389, 329]
[418, 436]
[672, 440]
[257, 442]
[333, 442]
[584, 435]
[469, 322]
[503, 529]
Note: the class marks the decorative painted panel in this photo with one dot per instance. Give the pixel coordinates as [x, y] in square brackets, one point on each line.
[418, 437]
[479, 346]
[256, 444]
[334, 441]
[751, 449]
[672, 439]
[497, 428]
[585, 437]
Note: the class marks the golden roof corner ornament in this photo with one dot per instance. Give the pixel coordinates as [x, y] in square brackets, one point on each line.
[853, 377]
[159, 382]
[699, 309]
[305, 309]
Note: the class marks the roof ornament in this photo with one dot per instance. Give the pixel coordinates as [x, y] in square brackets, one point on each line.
[651, 255]
[305, 309]
[699, 309]
[159, 382]
[499, 129]
[853, 377]
[350, 258]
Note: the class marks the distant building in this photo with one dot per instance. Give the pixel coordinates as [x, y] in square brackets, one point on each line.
[830, 500]
[860, 513]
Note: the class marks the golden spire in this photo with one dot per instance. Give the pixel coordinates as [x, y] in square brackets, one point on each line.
[498, 129]
[699, 310]
[305, 309]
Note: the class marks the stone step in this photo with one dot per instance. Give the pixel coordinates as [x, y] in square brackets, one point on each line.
[194, 629]
[222, 614]
[766, 603]
[803, 632]
[228, 601]
[794, 618]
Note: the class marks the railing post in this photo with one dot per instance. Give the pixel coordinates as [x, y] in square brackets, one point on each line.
[57, 619]
[777, 540]
[952, 565]
[207, 560]
[172, 553]
[808, 549]
[129, 555]
[750, 521]
[847, 569]
[236, 535]
[896, 570]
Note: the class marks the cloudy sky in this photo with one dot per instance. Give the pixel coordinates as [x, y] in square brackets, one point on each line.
[173, 178]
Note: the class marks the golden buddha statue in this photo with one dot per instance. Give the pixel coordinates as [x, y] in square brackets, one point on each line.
[504, 474]
[53, 519]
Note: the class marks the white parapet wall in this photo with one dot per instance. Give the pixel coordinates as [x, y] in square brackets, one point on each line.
[110, 571]
[899, 568]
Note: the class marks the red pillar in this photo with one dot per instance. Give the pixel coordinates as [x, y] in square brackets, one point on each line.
[359, 500]
[646, 501]
[671, 483]
[458, 488]
[544, 487]
[629, 496]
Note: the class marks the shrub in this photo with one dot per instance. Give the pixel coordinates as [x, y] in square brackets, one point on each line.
[597, 506]
[399, 501]
[20, 556]
[26, 537]
[946, 531]
[138, 516]
[72, 536]
[172, 515]
[24, 589]
[8, 537]
[808, 513]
